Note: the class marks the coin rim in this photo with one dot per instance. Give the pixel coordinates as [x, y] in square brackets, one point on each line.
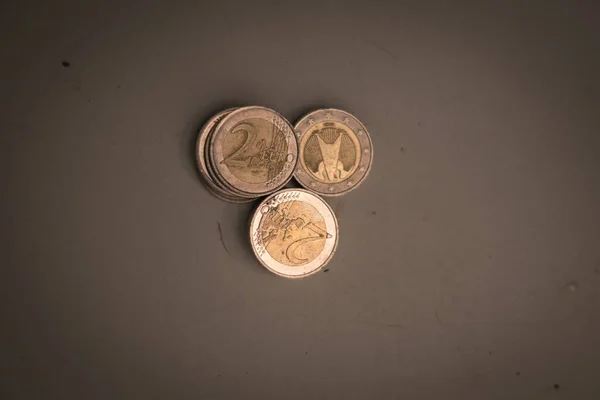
[365, 139]
[214, 146]
[256, 221]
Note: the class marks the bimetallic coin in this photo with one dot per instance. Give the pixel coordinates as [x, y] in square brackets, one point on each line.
[253, 151]
[216, 178]
[335, 152]
[208, 181]
[294, 233]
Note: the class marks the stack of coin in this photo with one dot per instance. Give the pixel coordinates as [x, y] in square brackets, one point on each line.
[245, 153]
[248, 152]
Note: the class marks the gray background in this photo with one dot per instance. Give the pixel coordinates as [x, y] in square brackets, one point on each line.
[468, 265]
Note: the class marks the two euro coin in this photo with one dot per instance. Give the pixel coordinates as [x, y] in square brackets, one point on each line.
[245, 153]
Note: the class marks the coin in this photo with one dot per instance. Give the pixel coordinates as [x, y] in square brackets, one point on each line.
[253, 151]
[216, 178]
[209, 181]
[335, 152]
[294, 233]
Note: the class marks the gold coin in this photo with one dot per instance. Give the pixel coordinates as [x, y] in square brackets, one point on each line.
[294, 233]
[335, 152]
[216, 178]
[253, 151]
[209, 181]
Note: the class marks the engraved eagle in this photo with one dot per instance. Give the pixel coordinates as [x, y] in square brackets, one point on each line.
[330, 154]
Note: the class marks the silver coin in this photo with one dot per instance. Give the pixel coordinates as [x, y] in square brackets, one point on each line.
[335, 152]
[294, 233]
[253, 151]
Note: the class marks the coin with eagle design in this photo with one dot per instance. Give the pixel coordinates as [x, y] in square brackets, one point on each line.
[335, 152]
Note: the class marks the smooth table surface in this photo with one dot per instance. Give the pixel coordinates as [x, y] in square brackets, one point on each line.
[469, 261]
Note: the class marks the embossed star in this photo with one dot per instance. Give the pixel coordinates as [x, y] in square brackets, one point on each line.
[361, 169]
[312, 185]
[367, 151]
[346, 120]
[360, 132]
[328, 115]
[298, 133]
[311, 121]
[349, 183]
[331, 188]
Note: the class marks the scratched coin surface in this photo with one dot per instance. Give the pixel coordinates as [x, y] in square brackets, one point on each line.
[335, 152]
[253, 151]
[294, 233]
[207, 179]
